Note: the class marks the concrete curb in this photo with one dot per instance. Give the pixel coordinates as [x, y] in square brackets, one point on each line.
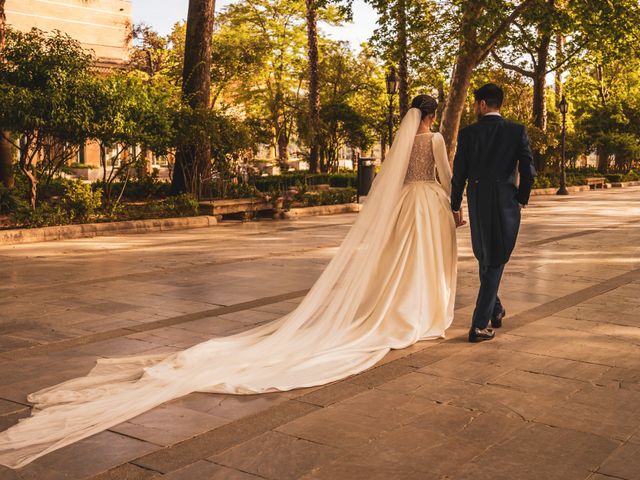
[68, 232]
[321, 210]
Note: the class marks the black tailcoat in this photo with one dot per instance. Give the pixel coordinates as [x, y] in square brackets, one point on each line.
[487, 156]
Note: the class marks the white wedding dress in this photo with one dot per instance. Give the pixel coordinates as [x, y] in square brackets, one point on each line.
[390, 284]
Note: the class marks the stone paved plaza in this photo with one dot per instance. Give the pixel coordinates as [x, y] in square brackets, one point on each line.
[555, 396]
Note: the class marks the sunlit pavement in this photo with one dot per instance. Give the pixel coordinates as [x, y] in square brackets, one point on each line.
[555, 396]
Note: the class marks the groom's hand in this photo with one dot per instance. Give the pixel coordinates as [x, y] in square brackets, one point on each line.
[459, 218]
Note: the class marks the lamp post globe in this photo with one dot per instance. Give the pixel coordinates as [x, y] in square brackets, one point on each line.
[563, 106]
[393, 83]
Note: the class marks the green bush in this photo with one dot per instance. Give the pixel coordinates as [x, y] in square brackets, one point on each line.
[46, 215]
[185, 205]
[9, 201]
[86, 166]
[231, 190]
[615, 177]
[55, 187]
[328, 197]
[143, 188]
[80, 201]
[288, 180]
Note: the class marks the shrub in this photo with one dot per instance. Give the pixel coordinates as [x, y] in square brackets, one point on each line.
[86, 166]
[287, 180]
[185, 205]
[80, 201]
[46, 215]
[142, 188]
[328, 197]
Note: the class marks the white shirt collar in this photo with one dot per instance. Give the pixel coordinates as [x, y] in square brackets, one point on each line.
[492, 113]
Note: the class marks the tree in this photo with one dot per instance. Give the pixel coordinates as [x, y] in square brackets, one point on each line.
[276, 92]
[531, 38]
[605, 104]
[236, 54]
[6, 149]
[479, 24]
[150, 53]
[348, 89]
[192, 160]
[604, 84]
[46, 90]
[401, 23]
[527, 45]
[131, 116]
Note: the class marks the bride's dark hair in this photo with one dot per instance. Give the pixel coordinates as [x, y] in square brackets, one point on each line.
[426, 104]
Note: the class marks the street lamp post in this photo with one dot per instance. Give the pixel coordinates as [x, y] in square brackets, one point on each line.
[564, 108]
[392, 88]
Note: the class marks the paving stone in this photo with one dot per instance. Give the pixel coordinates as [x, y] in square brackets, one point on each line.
[624, 462]
[613, 413]
[540, 452]
[127, 471]
[231, 407]
[539, 383]
[209, 471]
[334, 426]
[168, 424]
[379, 375]
[94, 455]
[360, 470]
[7, 407]
[333, 393]
[275, 455]
[223, 438]
[476, 371]
[418, 449]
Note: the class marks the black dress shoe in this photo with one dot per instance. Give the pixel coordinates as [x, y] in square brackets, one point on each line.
[481, 334]
[496, 320]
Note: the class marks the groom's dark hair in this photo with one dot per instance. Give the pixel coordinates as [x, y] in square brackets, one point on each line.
[491, 93]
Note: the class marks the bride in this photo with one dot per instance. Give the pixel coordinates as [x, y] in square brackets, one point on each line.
[391, 283]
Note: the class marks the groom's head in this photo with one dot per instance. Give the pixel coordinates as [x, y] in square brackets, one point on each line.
[488, 98]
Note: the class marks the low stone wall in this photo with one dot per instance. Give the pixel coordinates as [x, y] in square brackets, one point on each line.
[625, 184]
[553, 190]
[67, 232]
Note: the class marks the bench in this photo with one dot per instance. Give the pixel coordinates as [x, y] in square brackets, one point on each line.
[244, 206]
[595, 182]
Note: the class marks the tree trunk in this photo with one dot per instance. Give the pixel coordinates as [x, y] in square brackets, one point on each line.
[403, 63]
[603, 160]
[468, 57]
[192, 161]
[452, 113]
[539, 91]
[283, 150]
[6, 163]
[314, 93]
[6, 150]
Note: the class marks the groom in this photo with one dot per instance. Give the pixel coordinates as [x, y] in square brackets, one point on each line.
[487, 156]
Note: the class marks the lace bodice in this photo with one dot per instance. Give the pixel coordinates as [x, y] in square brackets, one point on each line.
[422, 164]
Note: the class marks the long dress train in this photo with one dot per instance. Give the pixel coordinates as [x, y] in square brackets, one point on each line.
[390, 284]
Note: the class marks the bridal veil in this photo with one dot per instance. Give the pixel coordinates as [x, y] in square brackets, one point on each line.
[326, 338]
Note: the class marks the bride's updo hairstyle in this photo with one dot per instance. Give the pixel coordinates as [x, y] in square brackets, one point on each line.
[426, 104]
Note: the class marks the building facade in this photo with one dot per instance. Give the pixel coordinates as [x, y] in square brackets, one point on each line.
[102, 26]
